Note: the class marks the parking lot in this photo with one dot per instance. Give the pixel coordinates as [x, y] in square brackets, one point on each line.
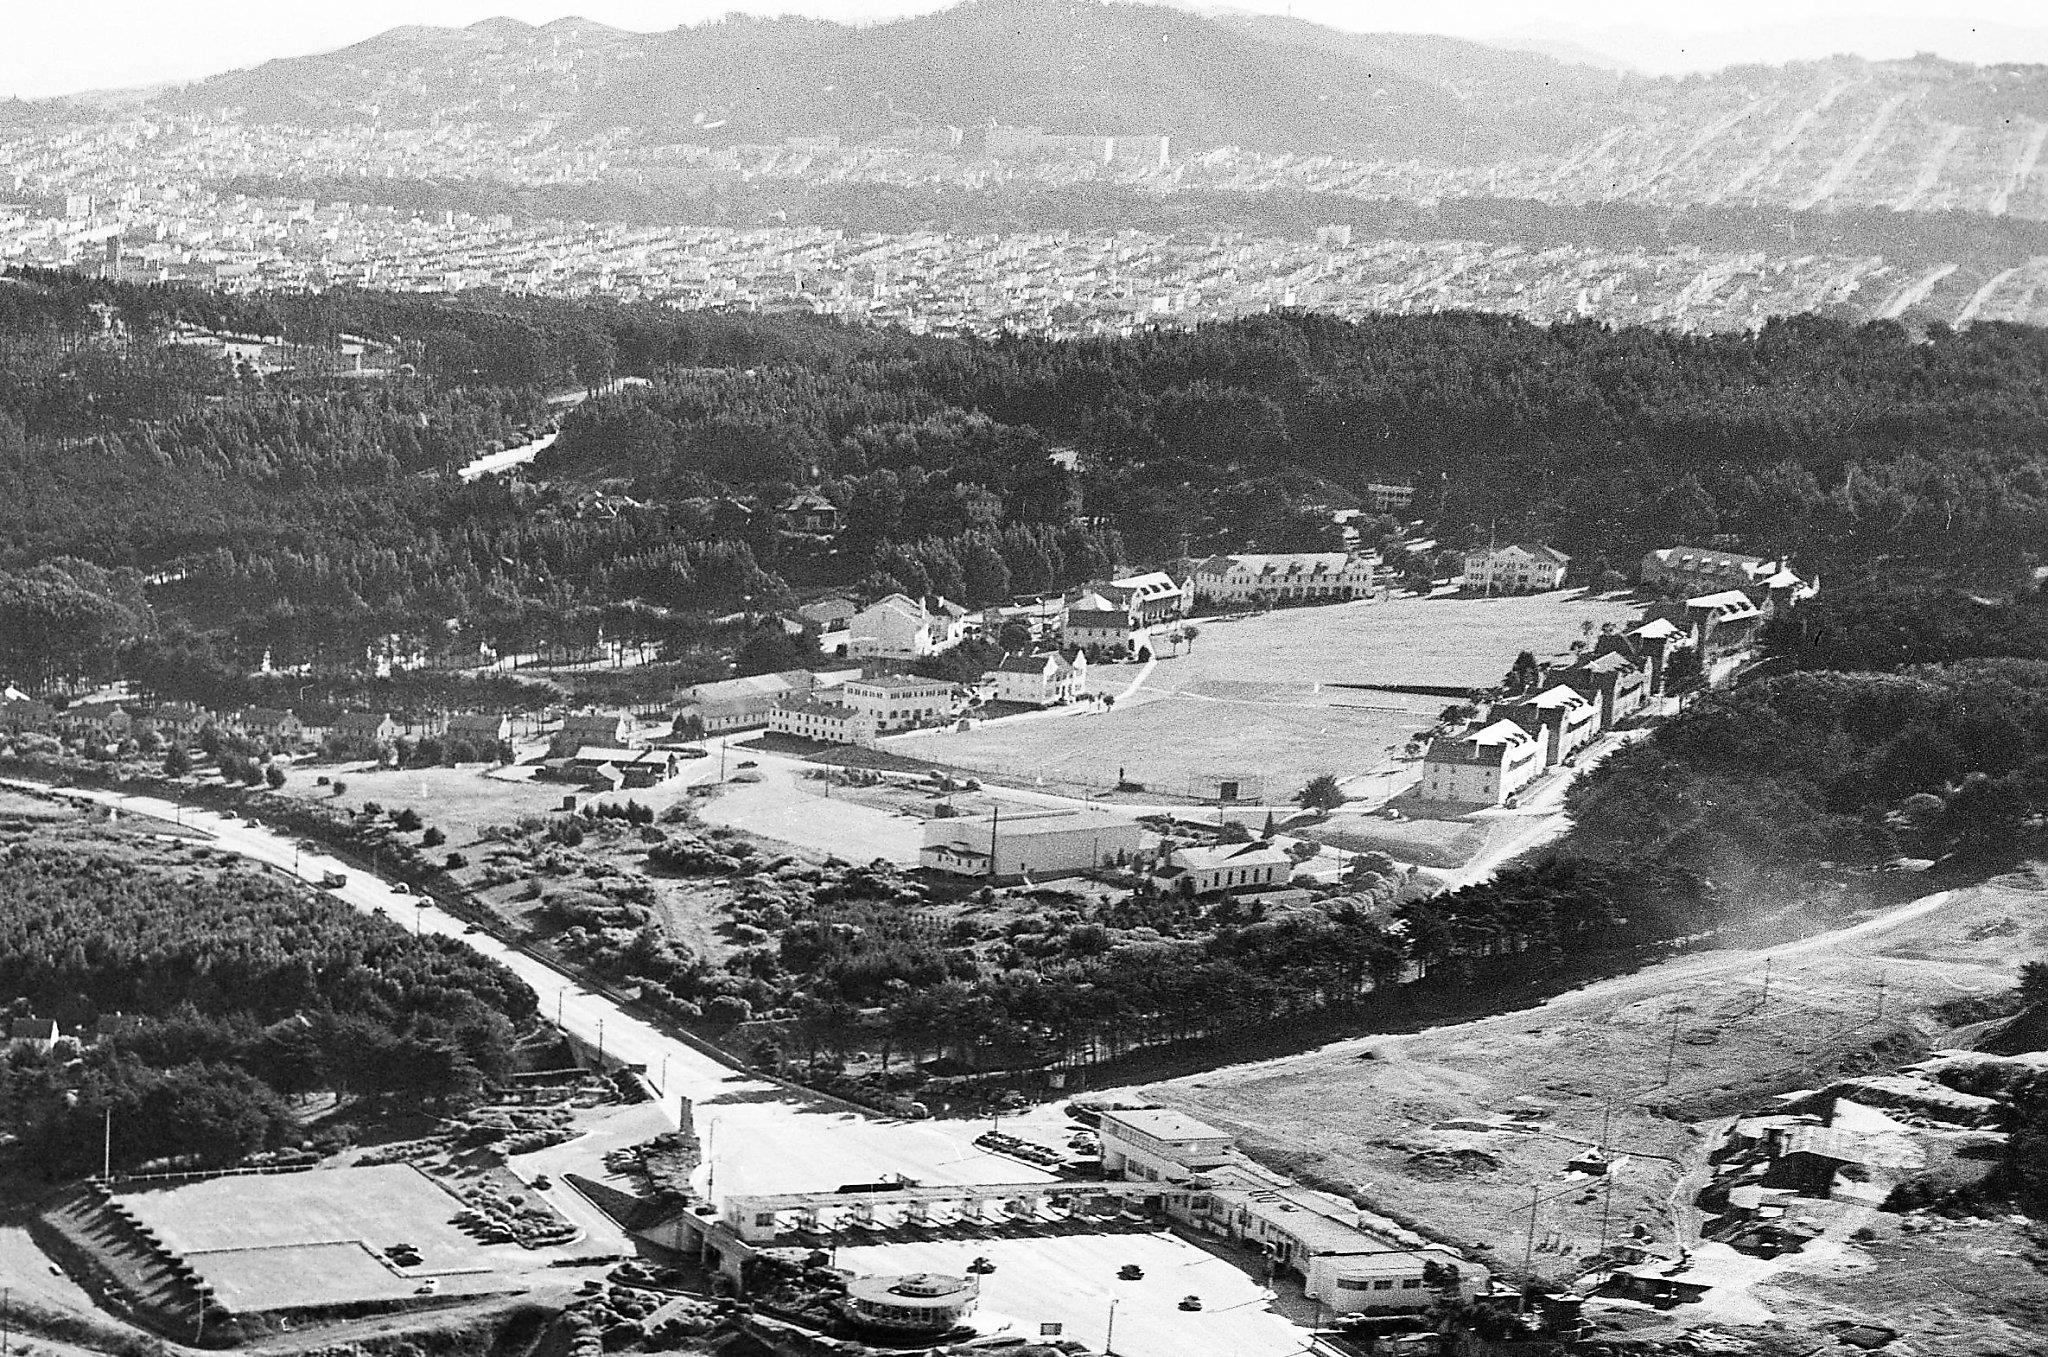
[1071, 1279]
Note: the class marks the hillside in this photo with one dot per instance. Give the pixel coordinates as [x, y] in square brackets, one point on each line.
[1418, 115]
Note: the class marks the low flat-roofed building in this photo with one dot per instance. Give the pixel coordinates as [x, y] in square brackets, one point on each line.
[1227, 868]
[1160, 1145]
[1039, 844]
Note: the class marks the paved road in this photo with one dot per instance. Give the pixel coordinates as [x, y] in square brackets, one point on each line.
[762, 1137]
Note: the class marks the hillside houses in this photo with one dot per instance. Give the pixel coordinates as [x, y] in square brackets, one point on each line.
[1683, 572]
[1272, 579]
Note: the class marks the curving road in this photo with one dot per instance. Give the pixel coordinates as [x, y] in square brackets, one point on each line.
[760, 1136]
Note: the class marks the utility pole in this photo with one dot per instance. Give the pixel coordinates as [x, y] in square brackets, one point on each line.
[1882, 976]
[995, 816]
[1109, 1339]
[1671, 1050]
[1766, 1002]
[1529, 1249]
[1606, 1207]
[107, 1146]
[600, 1045]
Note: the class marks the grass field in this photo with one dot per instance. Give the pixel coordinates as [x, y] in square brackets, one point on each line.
[303, 1239]
[1284, 735]
[1447, 640]
[1255, 695]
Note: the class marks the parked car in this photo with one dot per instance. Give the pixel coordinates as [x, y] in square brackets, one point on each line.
[1190, 1302]
[1130, 1272]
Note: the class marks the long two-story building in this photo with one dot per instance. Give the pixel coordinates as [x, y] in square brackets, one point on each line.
[1518, 568]
[1287, 577]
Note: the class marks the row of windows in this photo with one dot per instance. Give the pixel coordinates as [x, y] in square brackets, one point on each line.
[1361, 1284]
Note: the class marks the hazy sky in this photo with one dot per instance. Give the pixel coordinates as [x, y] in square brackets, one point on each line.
[60, 46]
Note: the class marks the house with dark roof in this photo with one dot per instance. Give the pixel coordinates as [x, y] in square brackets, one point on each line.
[1039, 680]
[1612, 679]
[1485, 767]
[608, 729]
[482, 729]
[809, 514]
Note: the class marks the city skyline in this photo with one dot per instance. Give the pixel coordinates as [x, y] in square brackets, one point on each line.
[105, 45]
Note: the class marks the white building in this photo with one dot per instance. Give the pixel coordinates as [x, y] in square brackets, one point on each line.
[1323, 1239]
[1037, 843]
[902, 628]
[1152, 597]
[1228, 868]
[1518, 568]
[1159, 1145]
[1483, 768]
[1094, 622]
[820, 716]
[1562, 715]
[901, 701]
[1286, 577]
[1039, 680]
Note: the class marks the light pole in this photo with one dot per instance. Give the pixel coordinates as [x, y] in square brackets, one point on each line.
[662, 1082]
[600, 1045]
[419, 918]
[558, 1004]
[1109, 1338]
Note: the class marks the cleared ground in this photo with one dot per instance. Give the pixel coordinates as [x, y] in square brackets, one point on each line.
[1370, 1114]
[318, 1238]
[1070, 1280]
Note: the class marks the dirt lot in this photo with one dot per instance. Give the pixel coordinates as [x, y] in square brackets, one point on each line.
[1371, 1114]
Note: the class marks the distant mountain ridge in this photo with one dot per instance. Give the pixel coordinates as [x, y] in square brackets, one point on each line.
[1908, 135]
[1066, 65]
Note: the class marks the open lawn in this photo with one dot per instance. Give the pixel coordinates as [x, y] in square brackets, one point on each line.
[1443, 640]
[296, 1239]
[1255, 695]
[1273, 737]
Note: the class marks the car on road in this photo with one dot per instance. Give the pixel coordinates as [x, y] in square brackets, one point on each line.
[1190, 1302]
[400, 888]
[747, 763]
[1130, 1272]
[981, 1267]
[427, 1287]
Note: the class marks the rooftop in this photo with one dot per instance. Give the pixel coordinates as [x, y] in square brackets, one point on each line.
[1164, 1123]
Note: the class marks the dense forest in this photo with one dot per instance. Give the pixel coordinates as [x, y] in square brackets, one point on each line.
[310, 517]
[245, 992]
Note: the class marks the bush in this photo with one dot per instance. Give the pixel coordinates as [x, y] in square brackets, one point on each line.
[406, 821]
[273, 775]
[433, 838]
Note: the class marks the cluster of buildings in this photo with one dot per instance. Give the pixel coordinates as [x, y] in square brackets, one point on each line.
[1526, 734]
[134, 198]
